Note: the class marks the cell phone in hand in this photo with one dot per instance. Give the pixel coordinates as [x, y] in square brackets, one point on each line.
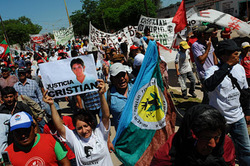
[6, 159]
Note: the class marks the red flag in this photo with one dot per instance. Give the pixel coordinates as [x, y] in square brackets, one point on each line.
[4, 49]
[180, 18]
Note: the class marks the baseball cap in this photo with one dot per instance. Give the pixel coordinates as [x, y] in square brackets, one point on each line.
[116, 68]
[195, 28]
[184, 45]
[245, 45]
[138, 60]
[119, 38]
[5, 69]
[227, 30]
[133, 47]
[20, 120]
[22, 70]
[205, 29]
[229, 45]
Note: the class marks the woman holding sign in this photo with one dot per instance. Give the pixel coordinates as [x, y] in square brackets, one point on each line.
[88, 141]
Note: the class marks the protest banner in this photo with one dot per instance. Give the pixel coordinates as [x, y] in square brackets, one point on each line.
[221, 19]
[168, 54]
[63, 36]
[127, 34]
[69, 77]
[162, 29]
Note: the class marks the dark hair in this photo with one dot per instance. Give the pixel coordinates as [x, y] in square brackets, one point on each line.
[221, 52]
[85, 116]
[146, 29]
[77, 61]
[209, 120]
[8, 90]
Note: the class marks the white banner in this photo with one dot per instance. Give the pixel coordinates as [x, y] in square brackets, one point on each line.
[127, 34]
[162, 29]
[168, 54]
[69, 77]
[63, 36]
[221, 19]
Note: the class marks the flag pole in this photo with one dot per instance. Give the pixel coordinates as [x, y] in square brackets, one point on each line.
[5, 34]
[67, 12]
[6, 38]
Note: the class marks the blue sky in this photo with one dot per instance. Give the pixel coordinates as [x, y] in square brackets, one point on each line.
[50, 14]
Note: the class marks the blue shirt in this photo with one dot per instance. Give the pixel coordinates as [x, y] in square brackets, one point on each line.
[30, 89]
[117, 104]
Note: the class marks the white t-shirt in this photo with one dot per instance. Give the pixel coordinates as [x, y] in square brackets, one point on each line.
[183, 60]
[225, 98]
[90, 151]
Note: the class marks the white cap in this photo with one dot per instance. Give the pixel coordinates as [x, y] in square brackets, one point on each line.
[116, 68]
[138, 60]
[245, 44]
[20, 120]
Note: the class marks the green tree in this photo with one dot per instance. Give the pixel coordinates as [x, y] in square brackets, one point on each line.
[18, 30]
[108, 15]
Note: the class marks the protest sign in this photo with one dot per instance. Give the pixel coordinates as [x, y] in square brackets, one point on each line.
[63, 36]
[221, 19]
[127, 34]
[69, 77]
[162, 29]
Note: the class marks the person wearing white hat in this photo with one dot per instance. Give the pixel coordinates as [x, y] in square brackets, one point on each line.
[31, 148]
[137, 64]
[117, 94]
[245, 59]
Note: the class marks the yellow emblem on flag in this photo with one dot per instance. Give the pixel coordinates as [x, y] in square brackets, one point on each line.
[150, 108]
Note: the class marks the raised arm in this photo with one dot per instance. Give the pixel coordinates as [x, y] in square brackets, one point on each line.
[55, 116]
[104, 104]
[202, 58]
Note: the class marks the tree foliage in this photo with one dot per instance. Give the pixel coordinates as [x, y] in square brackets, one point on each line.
[114, 14]
[18, 30]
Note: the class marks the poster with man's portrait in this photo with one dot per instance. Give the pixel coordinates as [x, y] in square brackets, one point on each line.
[69, 77]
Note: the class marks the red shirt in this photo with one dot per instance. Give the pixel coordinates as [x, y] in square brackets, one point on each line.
[245, 62]
[67, 122]
[190, 42]
[38, 155]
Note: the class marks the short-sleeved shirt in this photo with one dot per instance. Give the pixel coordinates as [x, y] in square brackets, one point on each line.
[245, 62]
[92, 150]
[31, 89]
[198, 50]
[225, 97]
[117, 104]
[10, 81]
[45, 151]
[182, 58]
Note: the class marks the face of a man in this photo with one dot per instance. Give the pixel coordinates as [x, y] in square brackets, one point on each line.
[9, 99]
[22, 76]
[207, 141]
[24, 136]
[231, 57]
[5, 74]
[78, 69]
[207, 36]
[121, 80]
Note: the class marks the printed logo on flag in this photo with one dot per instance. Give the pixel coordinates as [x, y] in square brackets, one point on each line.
[149, 107]
[1, 50]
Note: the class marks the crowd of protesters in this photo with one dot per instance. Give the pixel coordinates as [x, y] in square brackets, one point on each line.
[29, 118]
